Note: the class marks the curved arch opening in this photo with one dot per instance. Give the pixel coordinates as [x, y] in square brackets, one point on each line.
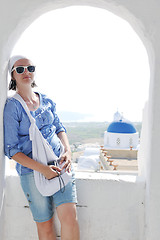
[94, 59]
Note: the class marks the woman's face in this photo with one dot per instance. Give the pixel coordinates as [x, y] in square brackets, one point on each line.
[26, 78]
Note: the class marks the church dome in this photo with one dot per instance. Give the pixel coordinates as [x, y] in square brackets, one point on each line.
[121, 126]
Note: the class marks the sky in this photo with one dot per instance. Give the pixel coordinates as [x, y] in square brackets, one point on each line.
[89, 61]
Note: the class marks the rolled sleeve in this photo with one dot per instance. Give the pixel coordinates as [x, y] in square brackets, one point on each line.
[10, 151]
[11, 126]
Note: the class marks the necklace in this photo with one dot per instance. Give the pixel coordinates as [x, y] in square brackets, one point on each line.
[32, 104]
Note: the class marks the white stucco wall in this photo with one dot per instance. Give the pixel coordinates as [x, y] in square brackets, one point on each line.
[120, 140]
[144, 18]
[109, 207]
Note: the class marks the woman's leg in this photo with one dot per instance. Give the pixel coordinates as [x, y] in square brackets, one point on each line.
[46, 230]
[40, 206]
[69, 224]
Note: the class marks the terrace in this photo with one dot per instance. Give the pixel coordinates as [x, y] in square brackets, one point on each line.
[110, 206]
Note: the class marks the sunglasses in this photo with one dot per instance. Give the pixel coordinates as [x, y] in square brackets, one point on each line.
[21, 69]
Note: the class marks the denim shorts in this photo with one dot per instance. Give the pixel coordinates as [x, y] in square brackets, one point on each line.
[42, 207]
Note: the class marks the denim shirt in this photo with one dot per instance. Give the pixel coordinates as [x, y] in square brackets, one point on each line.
[17, 123]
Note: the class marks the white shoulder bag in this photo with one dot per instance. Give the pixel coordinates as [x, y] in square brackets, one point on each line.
[42, 152]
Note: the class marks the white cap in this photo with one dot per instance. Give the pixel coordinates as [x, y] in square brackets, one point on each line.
[13, 60]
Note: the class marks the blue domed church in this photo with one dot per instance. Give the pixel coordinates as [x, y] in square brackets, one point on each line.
[121, 134]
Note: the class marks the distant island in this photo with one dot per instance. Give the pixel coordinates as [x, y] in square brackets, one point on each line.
[73, 116]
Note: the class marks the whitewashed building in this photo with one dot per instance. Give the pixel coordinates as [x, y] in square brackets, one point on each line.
[121, 134]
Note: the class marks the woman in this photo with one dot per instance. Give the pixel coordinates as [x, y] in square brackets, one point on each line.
[18, 147]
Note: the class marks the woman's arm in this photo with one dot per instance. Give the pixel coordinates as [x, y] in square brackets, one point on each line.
[61, 133]
[47, 171]
[67, 154]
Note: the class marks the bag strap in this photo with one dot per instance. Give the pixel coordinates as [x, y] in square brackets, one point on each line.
[24, 105]
[31, 131]
[32, 120]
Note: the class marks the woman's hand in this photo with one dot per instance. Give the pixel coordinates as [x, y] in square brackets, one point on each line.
[51, 171]
[66, 157]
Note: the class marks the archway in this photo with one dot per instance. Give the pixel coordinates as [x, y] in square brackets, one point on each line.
[104, 64]
[23, 13]
[100, 55]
